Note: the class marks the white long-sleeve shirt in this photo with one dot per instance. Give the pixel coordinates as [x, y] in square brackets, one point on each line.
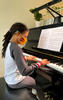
[15, 66]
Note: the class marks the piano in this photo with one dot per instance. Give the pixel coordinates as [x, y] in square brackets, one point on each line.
[53, 71]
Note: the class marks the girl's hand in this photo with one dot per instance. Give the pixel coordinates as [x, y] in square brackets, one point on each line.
[40, 63]
[33, 58]
[45, 61]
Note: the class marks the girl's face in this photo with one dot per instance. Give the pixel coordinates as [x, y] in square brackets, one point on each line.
[22, 38]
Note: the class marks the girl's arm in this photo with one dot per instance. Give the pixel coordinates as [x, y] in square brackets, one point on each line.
[16, 53]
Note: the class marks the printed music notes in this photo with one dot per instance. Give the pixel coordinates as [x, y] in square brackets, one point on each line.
[51, 39]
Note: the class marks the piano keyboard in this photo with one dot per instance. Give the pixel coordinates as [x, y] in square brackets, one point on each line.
[56, 67]
[51, 65]
[38, 59]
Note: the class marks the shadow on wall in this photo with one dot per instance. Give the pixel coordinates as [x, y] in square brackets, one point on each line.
[1, 65]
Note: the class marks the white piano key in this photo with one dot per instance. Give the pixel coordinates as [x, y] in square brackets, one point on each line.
[56, 67]
[25, 54]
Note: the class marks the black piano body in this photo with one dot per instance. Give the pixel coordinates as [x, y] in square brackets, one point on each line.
[54, 76]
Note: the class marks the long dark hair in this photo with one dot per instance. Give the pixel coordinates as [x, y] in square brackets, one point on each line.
[15, 27]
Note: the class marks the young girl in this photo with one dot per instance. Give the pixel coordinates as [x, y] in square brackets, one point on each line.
[17, 73]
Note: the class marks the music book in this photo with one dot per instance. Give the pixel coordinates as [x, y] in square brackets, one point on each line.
[51, 39]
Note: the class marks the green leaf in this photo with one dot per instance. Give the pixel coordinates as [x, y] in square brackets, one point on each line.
[37, 15]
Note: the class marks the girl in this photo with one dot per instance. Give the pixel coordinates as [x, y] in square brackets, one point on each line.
[17, 73]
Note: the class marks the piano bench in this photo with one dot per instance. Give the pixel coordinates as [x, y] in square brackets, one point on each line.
[18, 94]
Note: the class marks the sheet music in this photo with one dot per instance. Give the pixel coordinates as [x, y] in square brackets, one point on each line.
[51, 39]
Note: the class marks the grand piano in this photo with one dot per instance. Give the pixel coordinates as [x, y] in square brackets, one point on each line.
[53, 72]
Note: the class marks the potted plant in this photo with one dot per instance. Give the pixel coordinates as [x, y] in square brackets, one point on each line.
[37, 17]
